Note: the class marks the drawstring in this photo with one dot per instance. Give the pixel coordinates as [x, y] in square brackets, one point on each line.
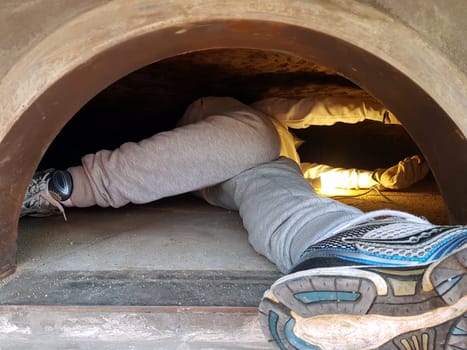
[372, 188]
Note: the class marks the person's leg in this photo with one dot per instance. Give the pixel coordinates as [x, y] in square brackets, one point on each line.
[280, 210]
[346, 267]
[388, 279]
[185, 159]
[211, 149]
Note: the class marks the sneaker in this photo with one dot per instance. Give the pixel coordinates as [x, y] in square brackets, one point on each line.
[45, 192]
[395, 283]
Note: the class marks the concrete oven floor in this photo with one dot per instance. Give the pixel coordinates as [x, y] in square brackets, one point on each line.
[174, 274]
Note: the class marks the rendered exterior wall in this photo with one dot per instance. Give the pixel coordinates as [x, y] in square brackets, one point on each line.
[56, 55]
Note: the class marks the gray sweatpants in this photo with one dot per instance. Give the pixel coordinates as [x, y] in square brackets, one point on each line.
[226, 152]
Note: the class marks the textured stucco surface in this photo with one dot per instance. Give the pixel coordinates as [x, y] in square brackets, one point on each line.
[56, 55]
[440, 22]
[24, 23]
[45, 37]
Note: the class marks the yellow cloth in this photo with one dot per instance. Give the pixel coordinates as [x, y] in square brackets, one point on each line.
[302, 113]
[289, 143]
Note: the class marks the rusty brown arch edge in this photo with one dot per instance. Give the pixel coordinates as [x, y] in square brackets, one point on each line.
[440, 140]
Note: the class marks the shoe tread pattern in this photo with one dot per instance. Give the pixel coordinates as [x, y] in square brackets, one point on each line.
[457, 339]
[364, 291]
[450, 277]
[451, 335]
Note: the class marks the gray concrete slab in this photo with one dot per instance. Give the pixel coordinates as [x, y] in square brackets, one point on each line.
[181, 233]
[175, 274]
[129, 328]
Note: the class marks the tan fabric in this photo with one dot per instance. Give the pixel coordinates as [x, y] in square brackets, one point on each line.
[302, 113]
[288, 143]
[322, 175]
[404, 174]
[305, 112]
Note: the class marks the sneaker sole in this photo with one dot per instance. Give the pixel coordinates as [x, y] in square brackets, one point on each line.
[355, 308]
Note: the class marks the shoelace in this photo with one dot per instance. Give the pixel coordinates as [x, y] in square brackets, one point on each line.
[372, 215]
[42, 195]
[372, 188]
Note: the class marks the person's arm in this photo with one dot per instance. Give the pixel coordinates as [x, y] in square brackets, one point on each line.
[402, 175]
[301, 113]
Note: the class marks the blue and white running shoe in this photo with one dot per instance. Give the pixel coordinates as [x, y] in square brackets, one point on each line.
[399, 240]
[393, 283]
